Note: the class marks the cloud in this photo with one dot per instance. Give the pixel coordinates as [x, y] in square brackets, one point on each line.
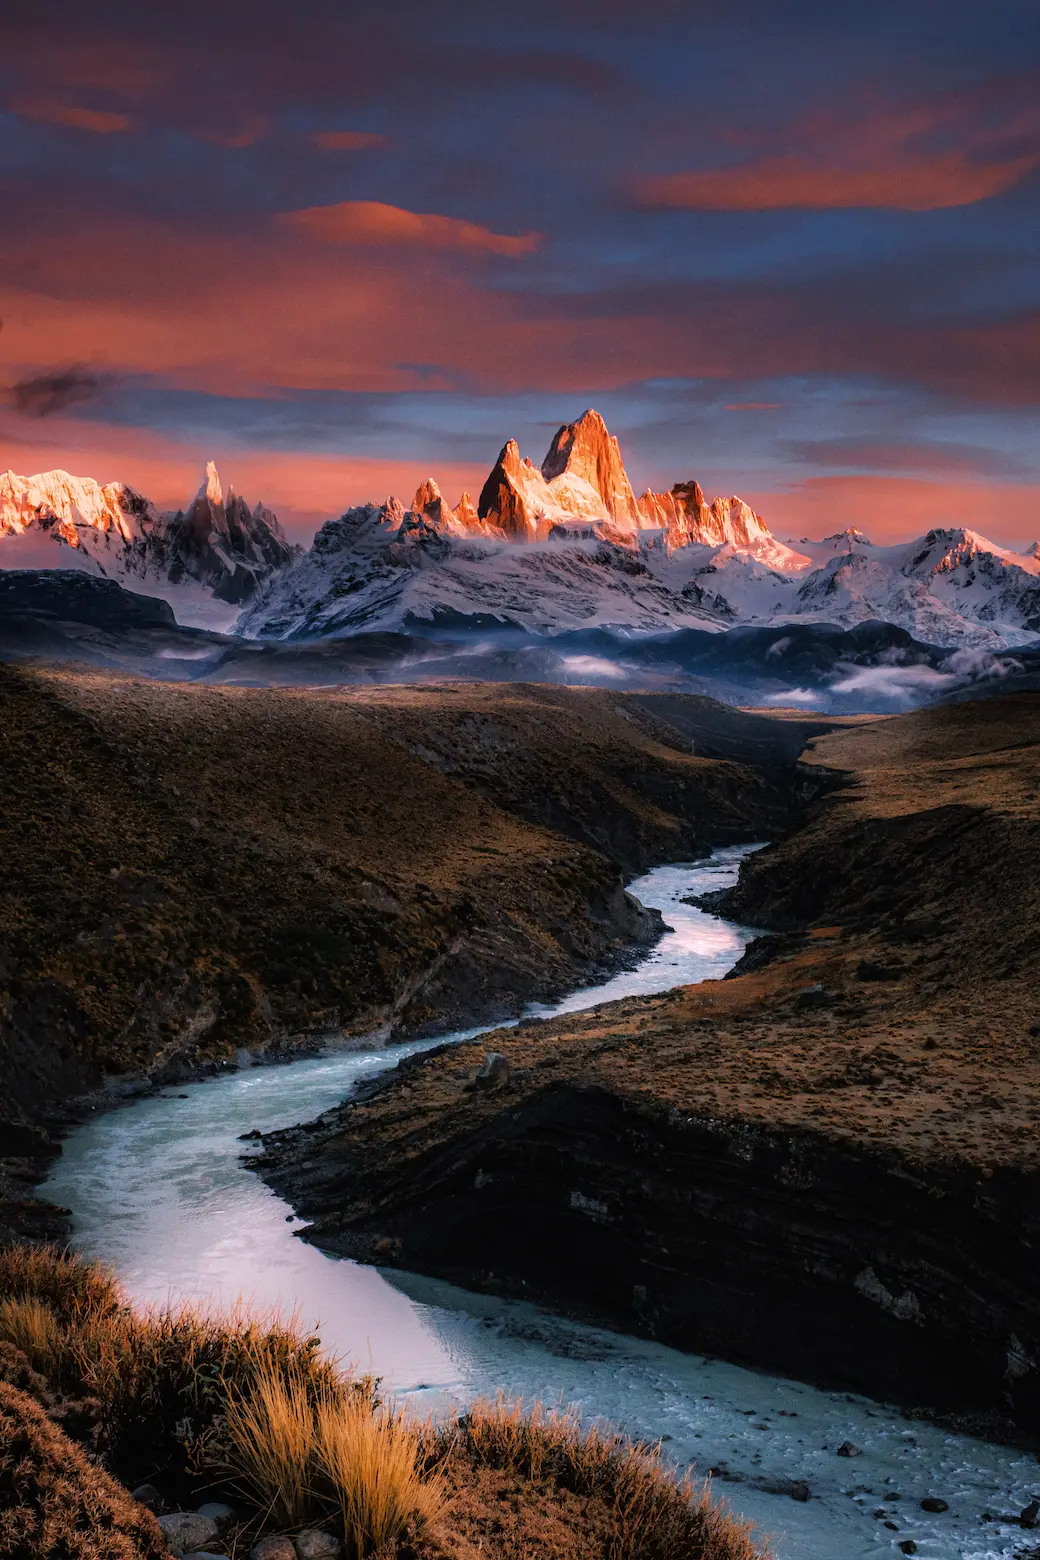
[753, 406]
[372, 222]
[782, 183]
[799, 696]
[925, 154]
[49, 111]
[347, 140]
[915, 684]
[591, 666]
[50, 393]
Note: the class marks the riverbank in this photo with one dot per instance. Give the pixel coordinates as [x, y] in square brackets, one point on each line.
[190, 872]
[825, 1165]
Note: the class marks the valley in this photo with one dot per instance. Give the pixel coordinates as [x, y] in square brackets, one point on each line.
[824, 1164]
[191, 872]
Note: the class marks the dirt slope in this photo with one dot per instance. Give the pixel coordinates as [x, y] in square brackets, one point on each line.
[830, 1163]
[188, 870]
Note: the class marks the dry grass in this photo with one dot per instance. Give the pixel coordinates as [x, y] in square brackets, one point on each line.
[31, 1327]
[371, 1462]
[302, 1453]
[69, 1285]
[248, 1404]
[653, 1514]
[271, 1435]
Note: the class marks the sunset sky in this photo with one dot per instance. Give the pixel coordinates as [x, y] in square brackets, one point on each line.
[789, 248]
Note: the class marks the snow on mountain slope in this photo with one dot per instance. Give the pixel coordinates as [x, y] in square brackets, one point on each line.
[549, 548]
[208, 560]
[371, 570]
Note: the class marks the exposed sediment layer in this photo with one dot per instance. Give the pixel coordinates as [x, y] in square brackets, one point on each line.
[828, 1164]
[192, 870]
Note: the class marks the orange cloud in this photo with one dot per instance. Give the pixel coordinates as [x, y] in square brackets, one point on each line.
[49, 111]
[372, 222]
[896, 509]
[347, 140]
[779, 183]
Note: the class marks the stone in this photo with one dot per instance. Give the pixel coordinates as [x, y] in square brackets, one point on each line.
[908, 1547]
[314, 1544]
[148, 1495]
[203, 1554]
[1030, 1515]
[933, 1503]
[218, 1511]
[800, 1492]
[494, 1072]
[277, 1547]
[848, 1449]
[187, 1532]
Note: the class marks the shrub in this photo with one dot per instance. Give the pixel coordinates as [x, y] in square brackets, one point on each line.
[55, 1502]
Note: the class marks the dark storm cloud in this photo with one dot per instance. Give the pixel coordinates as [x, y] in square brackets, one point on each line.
[47, 394]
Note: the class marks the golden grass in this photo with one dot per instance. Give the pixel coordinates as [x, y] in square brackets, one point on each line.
[302, 1453]
[31, 1327]
[371, 1462]
[271, 1434]
[654, 1514]
[187, 1399]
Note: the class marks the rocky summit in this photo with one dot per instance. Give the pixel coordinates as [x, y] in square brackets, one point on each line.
[546, 549]
[217, 549]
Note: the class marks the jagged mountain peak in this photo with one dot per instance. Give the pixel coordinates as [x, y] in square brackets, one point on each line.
[211, 488]
[587, 450]
[851, 535]
[216, 550]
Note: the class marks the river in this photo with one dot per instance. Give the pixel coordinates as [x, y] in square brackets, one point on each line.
[159, 1190]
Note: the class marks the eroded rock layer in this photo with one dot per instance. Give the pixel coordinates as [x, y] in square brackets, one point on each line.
[827, 1164]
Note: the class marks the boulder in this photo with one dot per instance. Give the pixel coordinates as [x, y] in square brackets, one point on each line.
[277, 1547]
[933, 1503]
[148, 1495]
[848, 1449]
[314, 1544]
[219, 1512]
[187, 1532]
[494, 1072]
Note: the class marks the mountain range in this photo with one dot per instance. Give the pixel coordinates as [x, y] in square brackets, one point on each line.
[547, 549]
[210, 558]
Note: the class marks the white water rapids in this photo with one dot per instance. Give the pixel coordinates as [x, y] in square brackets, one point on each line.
[158, 1190]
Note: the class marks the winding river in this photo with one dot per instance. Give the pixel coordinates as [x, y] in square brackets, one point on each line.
[158, 1189]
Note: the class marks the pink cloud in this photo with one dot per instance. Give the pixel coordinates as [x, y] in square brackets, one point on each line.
[50, 111]
[372, 222]
[780, 183]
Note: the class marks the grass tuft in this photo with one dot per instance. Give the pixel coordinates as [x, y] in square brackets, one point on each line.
[370, 1461]
[30, 1326]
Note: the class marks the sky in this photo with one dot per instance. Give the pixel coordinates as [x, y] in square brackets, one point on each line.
[789, 250]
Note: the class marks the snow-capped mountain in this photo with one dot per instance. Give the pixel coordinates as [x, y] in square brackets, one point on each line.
[552, 548]
[209, 559]
[569, 545]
